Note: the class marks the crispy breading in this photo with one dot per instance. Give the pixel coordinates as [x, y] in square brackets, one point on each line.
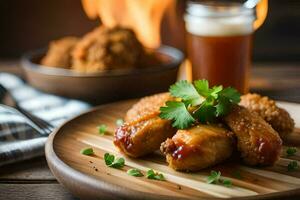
[59, 53]
[198, 147]
[266, 108]
[257, 141]
[147, 104]
[107, 48]
[143, 135]
[144, 130]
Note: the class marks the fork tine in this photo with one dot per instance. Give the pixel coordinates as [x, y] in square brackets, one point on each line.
[36, 122]
[43, 125]
[42, 122]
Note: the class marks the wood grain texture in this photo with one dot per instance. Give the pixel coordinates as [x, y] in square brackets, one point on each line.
[88, 176]
[32, 170]
[33, 191]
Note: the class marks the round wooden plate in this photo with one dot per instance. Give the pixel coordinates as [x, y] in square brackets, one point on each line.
[89, 177]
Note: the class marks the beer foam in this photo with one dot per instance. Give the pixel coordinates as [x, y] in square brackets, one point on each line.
[225, 26]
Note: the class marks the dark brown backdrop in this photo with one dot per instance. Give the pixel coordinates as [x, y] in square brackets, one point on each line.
[30, 24]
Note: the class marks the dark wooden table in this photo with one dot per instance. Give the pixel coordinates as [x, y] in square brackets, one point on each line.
[33, 180]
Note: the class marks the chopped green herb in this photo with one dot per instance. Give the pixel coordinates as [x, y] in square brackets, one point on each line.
[227, 183]
[109, 158]
[214, 177]
[198, 102]
[291, 151]
[177, 112]
[87, 151]
[118, 163]
[292, 166]
[119, 122]
[151, 174]
[237, 174]
[135, 172]
[186, 91]
[113, 162]
[102, 129]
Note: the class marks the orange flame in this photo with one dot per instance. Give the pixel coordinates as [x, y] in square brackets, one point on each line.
[144, 17]
[261, 12]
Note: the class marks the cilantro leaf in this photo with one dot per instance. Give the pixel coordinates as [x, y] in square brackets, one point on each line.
[155, 175]
[202, 87]
[292, 166]
[205, 113]
[223, 106]
[198, 103]
[291, 151]
[232, 94]
[185, 90]
[214, 92]
[110, 161]
[135, 172]
[227, 183]
[178, 113]
[87, 151]
[214, 177]
[118, 163]
[102, 129]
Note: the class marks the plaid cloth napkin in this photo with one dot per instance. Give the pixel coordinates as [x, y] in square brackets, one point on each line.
[18, 140]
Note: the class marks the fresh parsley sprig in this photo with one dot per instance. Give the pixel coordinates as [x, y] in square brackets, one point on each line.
[102, 129]
[151, 174]
[198, 103]
[293, 166]
[135, 172]
[87, 151]
[113, 162]
[291, 151]
[215, 178]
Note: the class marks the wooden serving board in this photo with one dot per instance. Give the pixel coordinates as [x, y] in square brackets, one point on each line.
[89, 177]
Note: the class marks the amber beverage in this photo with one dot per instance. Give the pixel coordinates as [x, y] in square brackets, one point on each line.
[219, 43]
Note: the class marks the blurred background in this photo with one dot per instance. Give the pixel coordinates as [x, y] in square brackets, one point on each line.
[31, 24]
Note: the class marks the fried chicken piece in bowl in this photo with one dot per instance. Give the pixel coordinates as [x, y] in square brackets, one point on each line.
[107, 48]
[59, 53]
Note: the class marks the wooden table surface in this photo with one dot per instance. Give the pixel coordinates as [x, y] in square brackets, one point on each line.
[33, 180]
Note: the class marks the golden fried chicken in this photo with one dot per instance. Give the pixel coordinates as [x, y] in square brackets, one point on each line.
[147, 104]
[266, 108]
[198, 147]
[107, 48]
[257, 141]
[59, 53]
[144, 130]
[143, 135]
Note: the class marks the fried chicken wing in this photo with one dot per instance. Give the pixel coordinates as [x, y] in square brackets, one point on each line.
[143, 135]
[257, 141]
[59, 53]
[198, 147]
[147, 104]
[266, 108]
[144, 130]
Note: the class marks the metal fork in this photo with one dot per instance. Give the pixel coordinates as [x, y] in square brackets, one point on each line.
[37, 123]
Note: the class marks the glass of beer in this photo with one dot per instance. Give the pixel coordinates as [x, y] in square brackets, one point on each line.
[219, 43]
